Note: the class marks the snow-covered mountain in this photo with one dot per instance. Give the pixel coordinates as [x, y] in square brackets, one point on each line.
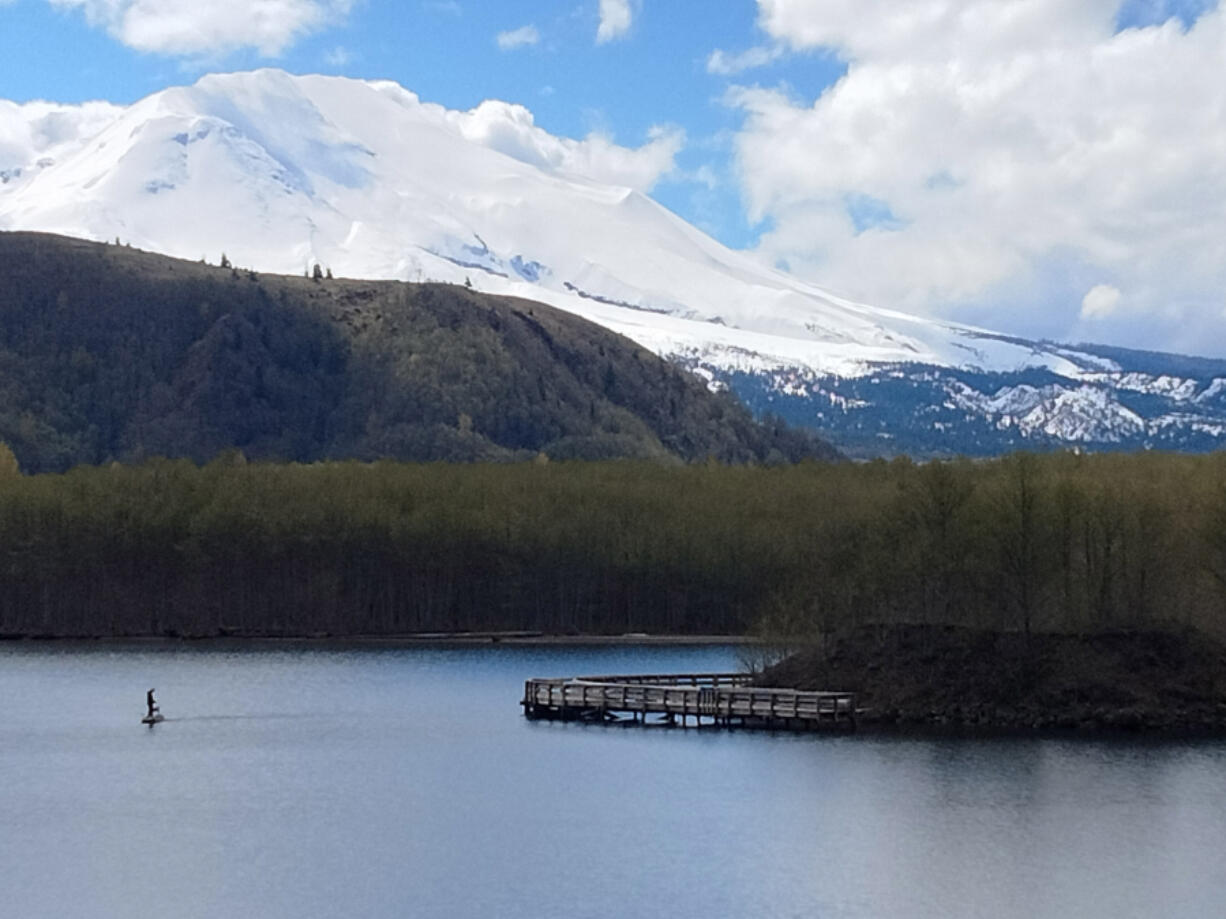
[284, 172]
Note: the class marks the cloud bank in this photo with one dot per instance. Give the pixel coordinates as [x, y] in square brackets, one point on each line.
[511, 129]
[205, 27]
[1020, 152]
[38, 130]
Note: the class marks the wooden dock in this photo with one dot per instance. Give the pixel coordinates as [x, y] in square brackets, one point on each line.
[718, 699]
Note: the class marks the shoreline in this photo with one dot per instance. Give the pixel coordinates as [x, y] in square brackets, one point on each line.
[1090, 733]
[957, 681]
[406, 639]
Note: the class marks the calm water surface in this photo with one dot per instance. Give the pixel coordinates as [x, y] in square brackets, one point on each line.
[332, 781]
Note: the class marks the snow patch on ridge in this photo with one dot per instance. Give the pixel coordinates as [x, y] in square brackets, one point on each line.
[1178, 389]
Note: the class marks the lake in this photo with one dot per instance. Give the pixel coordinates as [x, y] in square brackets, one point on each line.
[330, 780]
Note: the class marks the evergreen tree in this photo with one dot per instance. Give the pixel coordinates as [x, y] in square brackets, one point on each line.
[9, 467]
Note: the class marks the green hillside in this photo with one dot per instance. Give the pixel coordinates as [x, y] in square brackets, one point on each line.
[108, 353]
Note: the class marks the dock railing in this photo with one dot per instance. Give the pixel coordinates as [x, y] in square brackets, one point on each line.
[720, 698]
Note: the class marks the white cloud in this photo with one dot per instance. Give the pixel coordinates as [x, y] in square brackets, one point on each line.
[194, 28]
[726, 64]
[47, 130]
[511, 129]
[704, 175]
[519, 38]
[1100, 302]
[340, 56]
[978, 151]
[616, 17]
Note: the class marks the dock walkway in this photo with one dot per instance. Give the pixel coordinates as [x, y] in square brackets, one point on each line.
[721, 699]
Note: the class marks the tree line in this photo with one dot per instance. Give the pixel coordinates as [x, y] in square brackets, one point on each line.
[1026, 543]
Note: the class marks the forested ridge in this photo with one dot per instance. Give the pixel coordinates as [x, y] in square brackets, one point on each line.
[108, 353]
[1025, 543]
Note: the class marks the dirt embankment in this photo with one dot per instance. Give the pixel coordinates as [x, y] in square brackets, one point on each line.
[955, 677]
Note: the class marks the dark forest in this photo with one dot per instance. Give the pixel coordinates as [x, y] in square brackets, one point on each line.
[1025, 543]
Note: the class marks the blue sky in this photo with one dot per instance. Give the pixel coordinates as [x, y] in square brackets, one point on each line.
[1050, 168]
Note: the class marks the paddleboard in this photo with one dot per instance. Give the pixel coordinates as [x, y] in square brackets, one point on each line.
[152, 719]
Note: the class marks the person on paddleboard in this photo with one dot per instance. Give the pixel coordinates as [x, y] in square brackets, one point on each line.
[153, 706]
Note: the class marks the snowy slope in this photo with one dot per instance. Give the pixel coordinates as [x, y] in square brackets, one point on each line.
[283, 172]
